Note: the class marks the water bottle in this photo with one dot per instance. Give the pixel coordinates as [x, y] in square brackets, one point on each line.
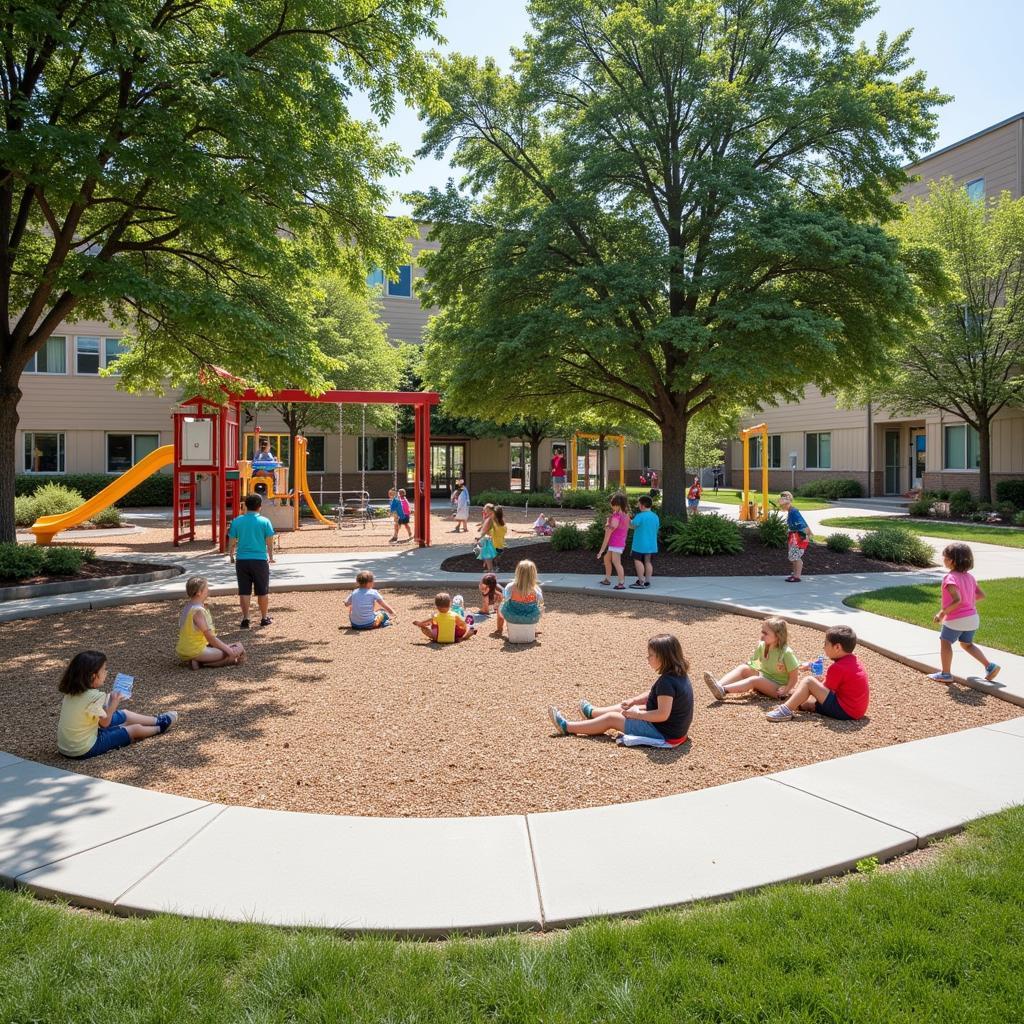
[459, 606]
[818, 665]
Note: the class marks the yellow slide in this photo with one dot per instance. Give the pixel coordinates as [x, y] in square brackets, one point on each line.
[302, 482]
[48, 527]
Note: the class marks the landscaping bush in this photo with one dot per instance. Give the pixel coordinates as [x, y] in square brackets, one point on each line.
[922, 506]
[840, 542]
[24, 510]
[55, 499]
[1012, 491]
[831, 490]
[567, 537]
[896, 544]
[20, 561]
[1018, 519]
[593, 536]
[157, 490]
[539, 499]
[107, 517]
[773, 531]
[1006, 510]
[961, 504]
[62, 561]
[709, 534]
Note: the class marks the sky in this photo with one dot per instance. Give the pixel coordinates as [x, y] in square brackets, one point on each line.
[968, 49]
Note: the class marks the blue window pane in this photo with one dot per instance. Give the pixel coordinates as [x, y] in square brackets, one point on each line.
[976, 189]
[375, 278]
[403, 284]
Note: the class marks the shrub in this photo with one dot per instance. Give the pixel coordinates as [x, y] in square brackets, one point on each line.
[157, 490]
[567, 537]
[772, 531]
[831, 490]
[922, 507]
[1005, 510]
[55, 499]
[1012, 491]
[540, 499]
[709, 534]
[62, 561]
[20, 561]
[840, 542]
[110, 516]
[593, 535]
[961, 504]
[24, 510]
[942, 495]
[896, 544]
[1018, 519]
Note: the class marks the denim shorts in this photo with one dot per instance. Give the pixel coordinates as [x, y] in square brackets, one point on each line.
[831, 708]
[638, 727]
[953, 636]
[109, 737]
[380, 619]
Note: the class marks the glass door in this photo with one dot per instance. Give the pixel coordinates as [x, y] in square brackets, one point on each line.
[519, 470]
[892, 462]
[918, 446]
[447, 464]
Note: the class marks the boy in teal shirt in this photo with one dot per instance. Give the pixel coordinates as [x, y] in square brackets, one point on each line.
[251, 548]
[645, 528]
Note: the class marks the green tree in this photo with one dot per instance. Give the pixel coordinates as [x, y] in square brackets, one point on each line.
[183, 170]
[667, 203]
[967, 357]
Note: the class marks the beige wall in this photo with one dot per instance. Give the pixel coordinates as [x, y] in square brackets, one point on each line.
[405, 318]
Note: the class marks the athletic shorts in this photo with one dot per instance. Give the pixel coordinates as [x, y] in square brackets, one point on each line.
[831, 708]
[403, 520]
[253, 575]
[379, 619]
[109, 737]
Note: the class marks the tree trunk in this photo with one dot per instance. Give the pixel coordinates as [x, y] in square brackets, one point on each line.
[10, 396]
[985, 454]
[673, 470]
[535, 440]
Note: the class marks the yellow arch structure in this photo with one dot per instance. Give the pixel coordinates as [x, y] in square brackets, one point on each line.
[574, 473]
[748, 511]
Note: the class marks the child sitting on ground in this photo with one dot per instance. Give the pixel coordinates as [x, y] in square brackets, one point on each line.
[90, 721]
[544, 526]
[663, 715]
[490, 594]
[844, 694]
[445, 627]
[772, 669]
[363, 603]
[959, 612]
[524, 600]
[198, 645]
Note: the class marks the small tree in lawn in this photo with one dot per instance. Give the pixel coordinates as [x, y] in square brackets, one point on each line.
[967, 357]
[705, 442]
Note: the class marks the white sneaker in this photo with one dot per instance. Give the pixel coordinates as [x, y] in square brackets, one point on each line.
[714, 686]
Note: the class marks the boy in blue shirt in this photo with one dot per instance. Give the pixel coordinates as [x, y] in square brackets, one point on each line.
[645, 528]
[799, 536]
[251, 548]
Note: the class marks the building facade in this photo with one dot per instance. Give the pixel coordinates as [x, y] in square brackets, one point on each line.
[889, 454]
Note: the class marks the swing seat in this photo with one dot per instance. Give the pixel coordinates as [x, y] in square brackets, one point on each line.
[521, 632]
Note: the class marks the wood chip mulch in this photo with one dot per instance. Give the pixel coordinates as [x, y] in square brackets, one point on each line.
[99, 570]
[323, 719]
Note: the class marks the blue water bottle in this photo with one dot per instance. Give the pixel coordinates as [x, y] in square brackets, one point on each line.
[818, 665]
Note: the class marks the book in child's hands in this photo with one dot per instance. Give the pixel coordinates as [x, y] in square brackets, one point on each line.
[123, 685]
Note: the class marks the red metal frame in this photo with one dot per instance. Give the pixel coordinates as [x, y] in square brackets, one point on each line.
[225, 501]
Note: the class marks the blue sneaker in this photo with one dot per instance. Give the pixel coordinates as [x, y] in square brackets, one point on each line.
[166, 720]
[991, 671]
[558, 718]
[586, 709]
[941, 677]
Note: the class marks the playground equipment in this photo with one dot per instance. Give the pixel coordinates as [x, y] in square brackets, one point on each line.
[748, 510]
[574, 462]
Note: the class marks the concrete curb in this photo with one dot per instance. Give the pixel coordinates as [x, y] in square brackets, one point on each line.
[81, 586]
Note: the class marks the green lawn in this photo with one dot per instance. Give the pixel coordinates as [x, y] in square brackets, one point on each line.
[1002, 611]
[1008, 536]
[728, 496]
[942, 944]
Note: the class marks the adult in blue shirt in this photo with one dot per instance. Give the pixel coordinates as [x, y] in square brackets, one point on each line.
[645, 528]
[251, 549]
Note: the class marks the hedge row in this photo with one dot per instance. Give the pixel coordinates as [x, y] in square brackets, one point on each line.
[23, 561]
[831, 490]
[158, 490]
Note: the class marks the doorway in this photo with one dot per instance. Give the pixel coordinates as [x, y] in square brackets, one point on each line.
[520, 470]
[918, 457]
[447, 464]
[892, 462]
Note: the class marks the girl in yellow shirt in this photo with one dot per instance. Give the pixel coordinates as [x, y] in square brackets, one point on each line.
[198, 645]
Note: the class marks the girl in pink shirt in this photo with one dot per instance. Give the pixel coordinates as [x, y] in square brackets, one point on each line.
[959, 613]
[616, 530]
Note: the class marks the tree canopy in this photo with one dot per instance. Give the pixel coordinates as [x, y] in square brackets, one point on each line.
[666, 206]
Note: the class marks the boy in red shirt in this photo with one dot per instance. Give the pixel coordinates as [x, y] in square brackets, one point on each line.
[845, 693]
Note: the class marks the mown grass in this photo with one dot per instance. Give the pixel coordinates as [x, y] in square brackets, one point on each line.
[1009, 536]
[942, 944]
[728, 496]
[1002, 611]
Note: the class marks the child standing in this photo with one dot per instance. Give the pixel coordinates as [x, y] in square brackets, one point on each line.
[363, 602]
[663, 714]
[646, 525]
[492, 535]
[395, 508]
[616, 530]
[404, 514]
[198, 645]
[959, 612]
[445, 627]
[90, 722]
[523, 599]
[772, 669]
[693, 495]
[845, 693]
[799, 536]
[461, 502]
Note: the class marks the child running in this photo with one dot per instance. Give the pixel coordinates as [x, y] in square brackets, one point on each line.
[616, 530]
[799, 539]
[492, 535]
[662, 714]
[490, 594]
[523, 599]
[198, 645]
[445, 627]
[959, 612]
[366, 608]
[772, 669]
[90, 722]
[845, 693]
[645, 526]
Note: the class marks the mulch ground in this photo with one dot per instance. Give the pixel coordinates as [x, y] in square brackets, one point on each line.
[754, 560]
[324, 719]
[90, 571]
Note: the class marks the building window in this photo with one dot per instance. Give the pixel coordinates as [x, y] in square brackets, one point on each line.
[44, 453]
[93, 353]
[976, 190]
[401, 286]
[774, 451]
[113, 349]
[315, 460]
[962, 448]
[124, 450]
[375, 454]
[375, 278]
[819, 451]
[51, 358]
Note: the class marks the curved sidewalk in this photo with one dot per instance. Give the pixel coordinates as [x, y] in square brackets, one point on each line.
[102, 844]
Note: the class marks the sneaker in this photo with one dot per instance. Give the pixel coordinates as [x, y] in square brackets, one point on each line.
[941, 677]
[647, 583]
[166, 720]
[780, 714]
[558, 718]
[586, 709]
[714, 686]
[639, 585]
[244, 624]
[792, 579]
[991, 671]
[266, 621]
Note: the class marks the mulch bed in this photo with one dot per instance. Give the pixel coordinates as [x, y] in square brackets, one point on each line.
[99, 570]
[755, 560]
[327, 720]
